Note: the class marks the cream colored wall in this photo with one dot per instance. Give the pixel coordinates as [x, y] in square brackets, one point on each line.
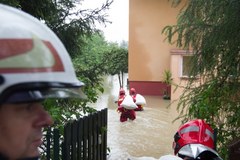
[178, 83]
[149, 55]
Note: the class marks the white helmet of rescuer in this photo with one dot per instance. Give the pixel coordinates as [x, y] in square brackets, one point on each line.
[34, 63]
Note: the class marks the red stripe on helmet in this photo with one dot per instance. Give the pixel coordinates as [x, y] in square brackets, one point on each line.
[17, 47]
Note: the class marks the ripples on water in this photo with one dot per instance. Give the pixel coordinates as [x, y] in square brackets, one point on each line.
[148, 137]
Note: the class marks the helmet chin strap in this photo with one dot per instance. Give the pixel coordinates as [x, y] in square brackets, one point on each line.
[185, 157]
[3, 157]
[33, 158]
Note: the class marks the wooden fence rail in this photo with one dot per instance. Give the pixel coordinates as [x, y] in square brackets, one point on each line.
[83, 139]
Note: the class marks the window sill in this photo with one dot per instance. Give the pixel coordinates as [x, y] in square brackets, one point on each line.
[187, 77]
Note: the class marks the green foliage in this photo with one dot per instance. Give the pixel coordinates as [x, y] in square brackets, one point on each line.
[73, 25]
[90, 66]
[13, 3]
[66, 18]
[167, 77]
[100, 58]
[117, 61]
[65, 110]
[211, 29]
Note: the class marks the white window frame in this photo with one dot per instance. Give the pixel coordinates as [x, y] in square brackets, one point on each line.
[181, 65]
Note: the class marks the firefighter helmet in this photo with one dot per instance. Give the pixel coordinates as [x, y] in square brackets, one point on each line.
[193, 139]
[170, 157]
[121, 91]
[132, 91]
[34, 63]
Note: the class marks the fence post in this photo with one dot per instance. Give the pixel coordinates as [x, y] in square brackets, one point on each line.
[85, 132]
[85, 139]
[66, 148]
[89, 137]
[56, 146]
[80, 139]
[101, 134]
[105, 119]
[74, 140]
[103, 116]
[48, 139]
[94, 136]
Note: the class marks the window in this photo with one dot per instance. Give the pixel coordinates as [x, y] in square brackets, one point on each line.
[186, 66]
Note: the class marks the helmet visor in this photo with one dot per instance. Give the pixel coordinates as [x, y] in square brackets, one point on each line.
[39, 95]
[170, 157]
[199, 151]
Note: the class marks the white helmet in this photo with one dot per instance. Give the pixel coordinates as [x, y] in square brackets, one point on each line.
[34, 64]
[170, 157]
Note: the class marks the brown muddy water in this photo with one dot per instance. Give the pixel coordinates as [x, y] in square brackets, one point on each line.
[148, 137]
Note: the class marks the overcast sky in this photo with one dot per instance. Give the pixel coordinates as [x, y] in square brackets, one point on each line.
[118, 15]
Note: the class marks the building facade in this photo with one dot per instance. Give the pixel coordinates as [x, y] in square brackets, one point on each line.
[149, 53]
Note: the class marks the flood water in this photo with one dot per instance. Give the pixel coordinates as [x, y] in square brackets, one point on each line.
[148, 137]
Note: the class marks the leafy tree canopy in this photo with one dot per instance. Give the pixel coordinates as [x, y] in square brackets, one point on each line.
[117, 61]
[72, 24]
[66, 18]
[211, 29]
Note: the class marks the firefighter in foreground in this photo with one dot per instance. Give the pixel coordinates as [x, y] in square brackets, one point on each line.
[34, 65]
[126, 106]
[194, 141]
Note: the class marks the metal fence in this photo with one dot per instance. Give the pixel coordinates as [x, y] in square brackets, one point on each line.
[84, 139]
